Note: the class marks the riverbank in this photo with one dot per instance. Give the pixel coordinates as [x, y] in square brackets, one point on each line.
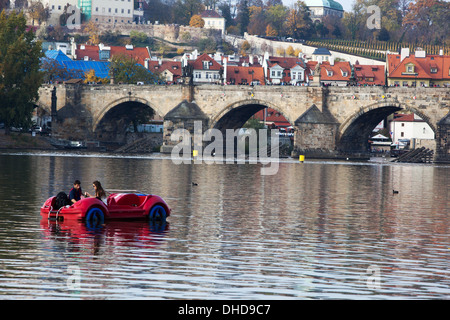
[24, 141]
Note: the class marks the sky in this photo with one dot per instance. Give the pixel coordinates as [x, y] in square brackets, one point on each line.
[347, 4]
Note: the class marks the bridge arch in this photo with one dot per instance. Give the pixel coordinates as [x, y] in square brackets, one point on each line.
[353, 133]
[113, 120]
[235, 115]
[120, 101]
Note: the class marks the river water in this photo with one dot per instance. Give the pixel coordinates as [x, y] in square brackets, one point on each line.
[315, 230]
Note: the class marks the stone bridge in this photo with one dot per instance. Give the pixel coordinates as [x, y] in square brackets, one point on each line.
[327, 120]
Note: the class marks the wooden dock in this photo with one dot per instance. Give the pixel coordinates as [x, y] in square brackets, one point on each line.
[420, 155]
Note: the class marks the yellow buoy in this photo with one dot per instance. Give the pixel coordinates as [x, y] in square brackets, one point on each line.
[301, 158]
[195, 153]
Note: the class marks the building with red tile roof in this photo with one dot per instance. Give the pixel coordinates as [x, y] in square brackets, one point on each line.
[335, 73]
[240, 75]
[206, 69]
[272, 118]
[170, 71]
[369, 74]
[213, 20]
[104, 53]
[418, 69]
[408, 127]
[286, 70]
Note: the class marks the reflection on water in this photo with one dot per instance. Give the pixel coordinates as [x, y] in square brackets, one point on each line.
[314, 230]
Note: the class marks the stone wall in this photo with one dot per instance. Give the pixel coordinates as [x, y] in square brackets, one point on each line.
[171, 33]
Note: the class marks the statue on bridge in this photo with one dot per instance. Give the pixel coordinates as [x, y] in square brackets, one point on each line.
[188, 72]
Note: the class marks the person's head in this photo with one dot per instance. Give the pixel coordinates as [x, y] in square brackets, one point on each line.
[99, 192]
[97, 185]
[77, 184]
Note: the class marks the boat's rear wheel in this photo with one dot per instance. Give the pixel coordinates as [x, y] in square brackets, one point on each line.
[157, 213]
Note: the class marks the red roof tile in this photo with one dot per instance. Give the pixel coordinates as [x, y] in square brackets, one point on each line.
[422, 67]
[198, 64]
[173, 66]
[244, 75]
[369, 74]
[139, 53]
[210, 14]
[337, 71]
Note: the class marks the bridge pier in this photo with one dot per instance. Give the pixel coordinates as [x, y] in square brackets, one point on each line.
[315, 134]
[183, 117]
[442, 154]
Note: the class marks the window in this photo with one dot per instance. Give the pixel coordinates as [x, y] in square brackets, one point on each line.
[279, 74]
[410, 68]
[273, 74]
[433, 70]
[403, 124]
[405, 83]
[205, 64]
[402, 134]
[424, 131]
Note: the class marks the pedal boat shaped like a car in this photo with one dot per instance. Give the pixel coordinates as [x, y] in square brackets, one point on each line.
[117, 206]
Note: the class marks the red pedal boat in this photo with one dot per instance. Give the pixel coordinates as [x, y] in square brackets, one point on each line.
[117, 206]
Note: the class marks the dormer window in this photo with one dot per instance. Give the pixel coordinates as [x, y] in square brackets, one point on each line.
[329, 73]
[433, 70]
[410, 68]
[344, 73]
[205, 64]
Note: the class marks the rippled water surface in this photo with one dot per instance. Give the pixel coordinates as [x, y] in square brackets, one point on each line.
[320, 230]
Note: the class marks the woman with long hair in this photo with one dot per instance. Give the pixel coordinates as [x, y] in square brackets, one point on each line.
[99, 191]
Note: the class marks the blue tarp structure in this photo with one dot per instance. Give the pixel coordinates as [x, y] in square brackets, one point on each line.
[101, 68]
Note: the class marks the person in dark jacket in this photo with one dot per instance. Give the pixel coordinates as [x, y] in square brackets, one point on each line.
[75, 193]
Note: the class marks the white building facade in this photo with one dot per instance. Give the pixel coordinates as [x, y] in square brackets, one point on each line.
[409, 127]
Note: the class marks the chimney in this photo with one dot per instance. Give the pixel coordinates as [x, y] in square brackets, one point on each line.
[331, 60]
[420, 53]
[146, 63]
[404, 53]
[441, 52]
[250, 59]
[159, 61]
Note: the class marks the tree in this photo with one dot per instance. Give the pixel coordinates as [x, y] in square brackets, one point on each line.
[270, 31]
[183, 10]
[428, 20]
[90, 77]
[37, 11]
[298, 23]
[138, 38]
[276, 16]
[94, 34]
[125, 69]
[243, 16]
[245, 47]
[197, 21]
[290, 51]
[20, 77]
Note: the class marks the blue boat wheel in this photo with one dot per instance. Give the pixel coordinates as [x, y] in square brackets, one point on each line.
[95, 216]
[157, 213]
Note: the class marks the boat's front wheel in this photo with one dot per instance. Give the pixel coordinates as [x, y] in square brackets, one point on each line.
[157, 213]
[95, 217]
